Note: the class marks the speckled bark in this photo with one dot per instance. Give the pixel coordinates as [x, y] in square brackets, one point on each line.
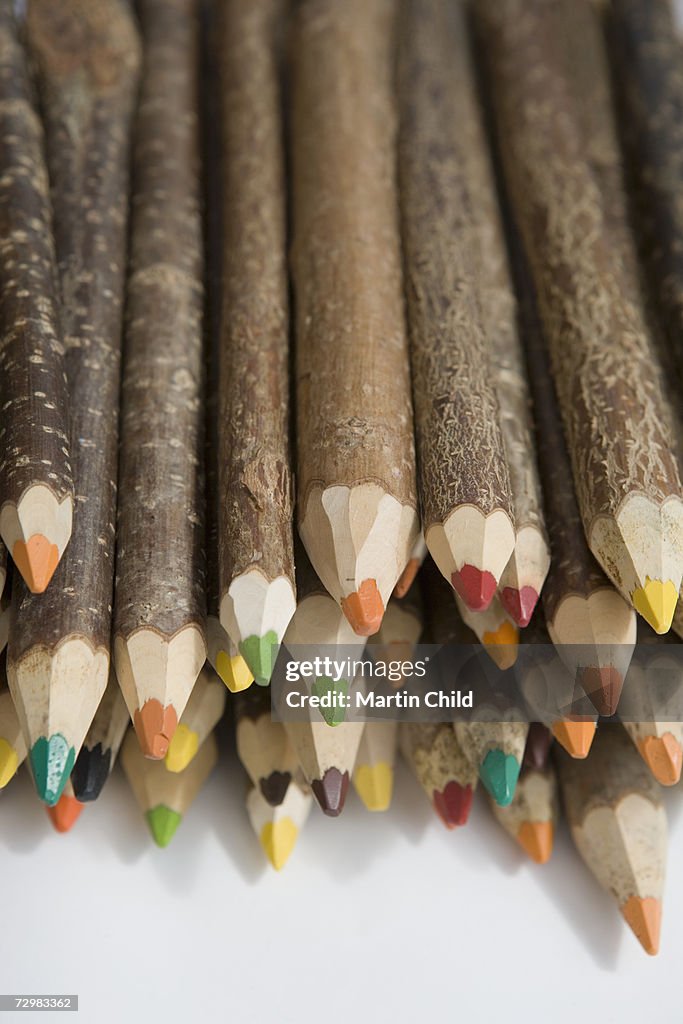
[354, 410]
[461, 456]
[608, 385]
[87, 58]
[255, 479]
[34, 441]
[160, 579]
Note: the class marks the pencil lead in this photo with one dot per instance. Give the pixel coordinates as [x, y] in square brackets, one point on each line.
[603, 686]
[9, 762]
[536, 839]
[36, 559]
[656, 602]
[274, 787]
[163, 823]
[234, 672]
[453, 804]
[519, 604]
[51, 762]
[502, 645]
[260, 655]
[476, 587]
[575, 736]
[154, 726]
[374, 784]
[182, 748]
[330, 791]
[644, 918]
[663, 756]
[278, 839]
[364, 608]
[90, 772]
[499, 773]
[65, 812]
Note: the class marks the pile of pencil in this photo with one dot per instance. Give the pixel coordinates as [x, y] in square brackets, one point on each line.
[408, 272]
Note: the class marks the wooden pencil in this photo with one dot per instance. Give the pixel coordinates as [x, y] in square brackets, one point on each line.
[356, 461]
[66, 812]
[165, 797]
[13, 749]
[373, 772]
[36, 479]
[531, 818]
[610, 395]
[494, 629]
[618, 824]
[538, 745]
[255, 490]
[263, 746]
[400, 630]
[202, 713]
[102, 743]
[407, 577]
[277, 827]
[58, 657]
[160, 597]
[440, 765]
[465, 494]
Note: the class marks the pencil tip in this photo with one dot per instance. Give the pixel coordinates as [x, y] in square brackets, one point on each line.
[603, 687]
[374, 784]
[154, 726]
[36, 559]
[663, 756]
[519, 604]
[51, 762]
[536, 839]
[234, 672]
[538, 742]
[644, 918]
[453, 804]
[9, 762]
[260, 654]
[575, 736]
[364, 608]
[475, 586]
[163, 823]
[65, 813]
[499, 773]
[278, 839]
[274, 787]
[656, 602]
[502, 645]
[407, 578]
[90, 772]
[330, 791]
[182, 748]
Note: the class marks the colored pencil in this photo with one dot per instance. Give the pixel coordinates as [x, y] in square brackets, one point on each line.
[263, 746]
[277, 827]
[465, 494]
[13, 749]
[407, 577]
[373, 773]
[441, 767]
[202, 713]
[356, 460]
[160, 597]
[610, 395]
[255, 489]
[495, 631]
[531, 818]
[36, 479]
[618, 824]
[538, 745]
[66, 812]
[400, 630]
[97, 756]
[494, 738]
[165, 797]
[58, 657]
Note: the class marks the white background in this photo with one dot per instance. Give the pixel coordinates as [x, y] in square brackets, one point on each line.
[375, 918]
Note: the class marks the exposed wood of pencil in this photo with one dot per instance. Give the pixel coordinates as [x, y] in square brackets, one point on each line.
[263, 746]
[160, 598]
[531, 818]
[255, 490]
[277, 827]
[618, 823]
[202, 714]
[407, 577]
[610, 395]
[86, 54]
[495, 631]
[439, 764]
[36, 480]
[97, 756]
[356, 459]
[466, 500]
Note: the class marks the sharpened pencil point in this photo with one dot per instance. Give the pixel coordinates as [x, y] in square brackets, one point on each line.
[502, 645]
[9, 762]
[274, 787]
[260, 654]
[603, 687]
[278, 839]
[576, 737]
[536, 839]
[36, 559]
[364, 609]
[163, 823]
[519, 604]
[330, 791]
[65, 813]
[538, 743]
[181, 749]
[90, 773]
[476, 587]
[374, 784]
[499, 773]
[656, 602]
[234, 672]
[407, 577]
[154, 726]
[51, 762]
[644, 918]
[663, 756]
[453, 804]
